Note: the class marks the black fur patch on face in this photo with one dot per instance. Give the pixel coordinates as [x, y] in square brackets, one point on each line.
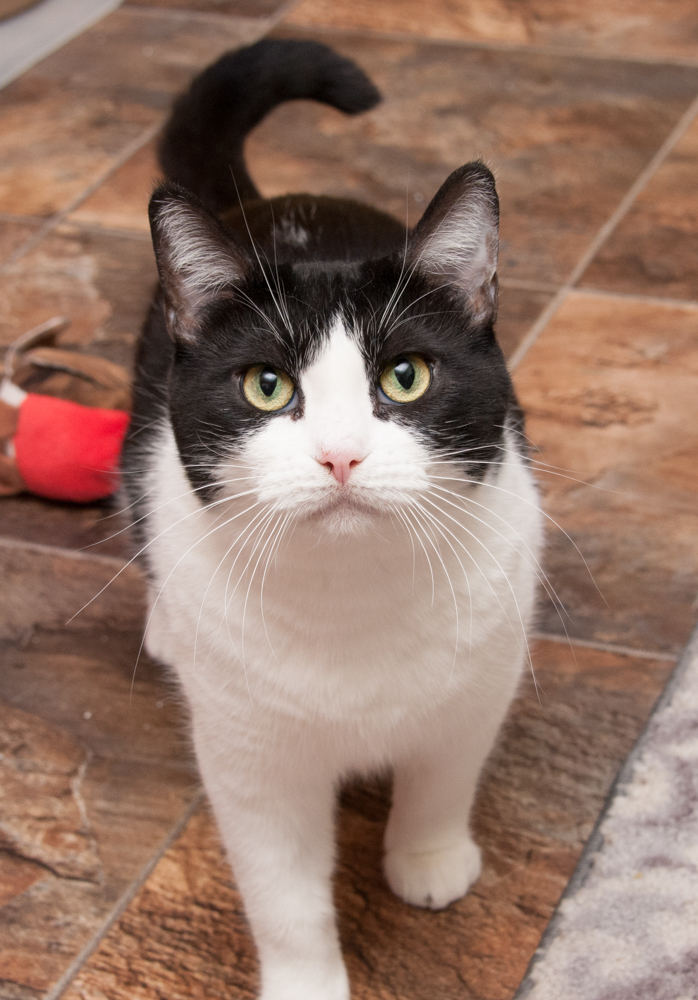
[461, 415]
[230, 305]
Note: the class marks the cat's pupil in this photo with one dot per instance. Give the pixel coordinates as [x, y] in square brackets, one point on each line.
[267, 382]
[404, 373]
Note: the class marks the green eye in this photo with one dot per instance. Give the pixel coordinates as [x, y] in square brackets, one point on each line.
[268, 388]
[406, 379]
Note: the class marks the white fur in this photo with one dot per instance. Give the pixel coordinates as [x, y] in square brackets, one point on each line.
[315, 642]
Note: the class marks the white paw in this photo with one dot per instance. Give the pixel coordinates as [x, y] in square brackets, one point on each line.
[433, 878]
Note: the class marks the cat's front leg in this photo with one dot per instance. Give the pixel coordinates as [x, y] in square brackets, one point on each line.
[430, 856]
[278, 829]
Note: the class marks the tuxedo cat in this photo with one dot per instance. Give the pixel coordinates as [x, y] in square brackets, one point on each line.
[329, 483]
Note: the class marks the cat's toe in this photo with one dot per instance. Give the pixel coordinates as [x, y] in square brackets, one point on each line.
[433, 878]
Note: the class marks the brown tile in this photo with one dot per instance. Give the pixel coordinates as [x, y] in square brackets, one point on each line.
[144, 56]
[16, 876]
[45, 924]
[519, 308]
[14, 234]
[72, 628]
[94, 700]
[65, 121]
[122, 201]
[42, 588]
[611, 392]
[185, 934]
[654, 251]
[198, 941]
[628, 27]
[237, 8]
[56, 143]
[40, 796]
[99, 769]
[102, 283]
[95, 528]
[566, 138]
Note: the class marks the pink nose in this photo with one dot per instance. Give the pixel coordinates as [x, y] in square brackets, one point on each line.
[340, 464]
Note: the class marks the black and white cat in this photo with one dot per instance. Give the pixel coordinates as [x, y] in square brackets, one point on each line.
[339, 525]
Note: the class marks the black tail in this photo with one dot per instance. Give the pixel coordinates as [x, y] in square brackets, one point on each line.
[201, 148]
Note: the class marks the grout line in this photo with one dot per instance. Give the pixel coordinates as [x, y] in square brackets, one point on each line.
[127, 152]
[604, 647]
[210, 17]
[653, 300]
[604, 232]
[22, 219]
[124, 900]
[115, 231]
[37, 548]
[532, 336]
[265, 25]
[528, 286]
[566, 52]
[203, 17]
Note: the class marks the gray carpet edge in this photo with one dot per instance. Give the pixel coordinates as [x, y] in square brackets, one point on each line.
[601, 942]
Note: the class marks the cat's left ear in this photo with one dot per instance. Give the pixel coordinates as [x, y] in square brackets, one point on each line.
[198, 262]
[457, 239]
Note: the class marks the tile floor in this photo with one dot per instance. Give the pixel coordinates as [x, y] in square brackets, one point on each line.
[112, 883]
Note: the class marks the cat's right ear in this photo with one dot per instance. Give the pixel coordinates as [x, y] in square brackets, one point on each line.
[196, 258]
[457, 239]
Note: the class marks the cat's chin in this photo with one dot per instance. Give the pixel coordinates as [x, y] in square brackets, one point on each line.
[345, 518]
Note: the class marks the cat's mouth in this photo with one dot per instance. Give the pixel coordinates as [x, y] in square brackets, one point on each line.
[345, 513]
[346, 500]
[351, 509]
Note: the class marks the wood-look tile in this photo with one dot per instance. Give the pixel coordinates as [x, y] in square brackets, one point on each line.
[66, 121]
[566, 138]
[143, 57]
[122, 201]
[654, 250]
[103, 771]
[185, 935]
[519, 308]
[627, 27]
[57, 142]
[95, 528]
[611, 393]
[41, 588]
[102, 283]
[14, 234]
[236, 8]
[40, 778]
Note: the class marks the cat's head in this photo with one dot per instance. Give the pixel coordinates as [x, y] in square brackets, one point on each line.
[333, 391]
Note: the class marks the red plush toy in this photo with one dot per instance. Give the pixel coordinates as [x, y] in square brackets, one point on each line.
[60, 443]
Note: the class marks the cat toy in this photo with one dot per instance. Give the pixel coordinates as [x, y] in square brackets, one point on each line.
[63, 419]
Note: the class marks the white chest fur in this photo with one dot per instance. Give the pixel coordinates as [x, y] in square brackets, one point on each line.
[311, 646]
[336, 627]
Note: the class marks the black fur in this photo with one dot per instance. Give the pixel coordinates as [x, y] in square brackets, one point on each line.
[316, 256]
[201, 148]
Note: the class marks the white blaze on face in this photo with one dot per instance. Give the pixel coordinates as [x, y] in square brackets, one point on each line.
[338, 409]
[337, 451]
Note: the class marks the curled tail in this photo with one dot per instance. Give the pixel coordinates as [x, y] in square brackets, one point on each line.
[202, 146]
